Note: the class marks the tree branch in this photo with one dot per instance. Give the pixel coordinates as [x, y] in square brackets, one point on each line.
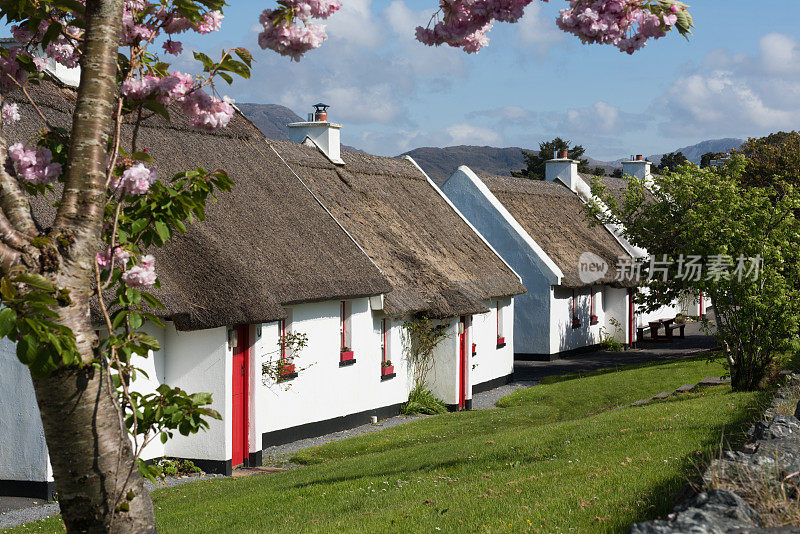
[13, 201]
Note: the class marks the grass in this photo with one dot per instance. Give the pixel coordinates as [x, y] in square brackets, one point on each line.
[556, 458]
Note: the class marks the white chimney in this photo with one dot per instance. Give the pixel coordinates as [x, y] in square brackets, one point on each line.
[564, 169]
[324, 134]
[638, 167]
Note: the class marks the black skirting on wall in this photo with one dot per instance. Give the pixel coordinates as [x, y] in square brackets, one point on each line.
[214, 467]
[492, 384]
[320, 428]
[556, 356]
[28, 489]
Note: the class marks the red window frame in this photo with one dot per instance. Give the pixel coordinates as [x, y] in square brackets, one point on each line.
[344, 325]
[282, 329]
[573, 305]
[499, 333]
[383, 339]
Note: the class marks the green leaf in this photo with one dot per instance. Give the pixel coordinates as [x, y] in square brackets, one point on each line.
[143, 156]
[8, 321]
[37, 281]
[27, 350]
[162, 230]
[136, 320]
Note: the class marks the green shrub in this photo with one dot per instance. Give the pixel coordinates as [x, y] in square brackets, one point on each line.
[421, 400]
[171, 468]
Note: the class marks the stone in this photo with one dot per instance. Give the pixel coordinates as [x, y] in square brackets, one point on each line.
[712, 512]
[797, 411]
[714, 381]
[663, 395]
[686, 388]
[641, 402]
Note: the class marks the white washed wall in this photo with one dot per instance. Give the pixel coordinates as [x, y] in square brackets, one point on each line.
[443, 377]
[615, 304]
[154, 366]
[23, 451]
[532, 309]
[323, 390]
[200, 361]
[489, 361]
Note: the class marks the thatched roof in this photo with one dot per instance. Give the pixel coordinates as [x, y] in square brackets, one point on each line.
[555, 218]
[265, 244]
[434, 260]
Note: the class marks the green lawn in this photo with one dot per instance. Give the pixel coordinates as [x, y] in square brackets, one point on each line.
[555, 458]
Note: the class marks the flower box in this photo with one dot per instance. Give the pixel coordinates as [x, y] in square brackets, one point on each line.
[501, 342]
[387, 370]
[474, 349]
[345, 355]
[576, 323]
[594, 319]
[286, 369]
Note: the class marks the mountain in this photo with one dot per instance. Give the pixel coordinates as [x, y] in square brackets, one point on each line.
[694, 152]
[440, 163]
[272, 119]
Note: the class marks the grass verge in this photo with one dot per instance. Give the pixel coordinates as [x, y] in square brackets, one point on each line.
[556, 458]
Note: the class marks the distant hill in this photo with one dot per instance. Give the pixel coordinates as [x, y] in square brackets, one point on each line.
[694, 152]
[440, 163]
[272, 119]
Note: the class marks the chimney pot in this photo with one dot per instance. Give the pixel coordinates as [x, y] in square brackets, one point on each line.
[639, 157]
[321, 112]
[563, 154]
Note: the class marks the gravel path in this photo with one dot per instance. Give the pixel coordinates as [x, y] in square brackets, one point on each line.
[25, 515]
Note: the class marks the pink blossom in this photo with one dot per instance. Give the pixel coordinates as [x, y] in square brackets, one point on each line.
[34, 165]
[40, 63]
[212, 22]
[10, 113]
[135, 180]
[208, 112]
[173, 47]
[290, 39]
[121, 258]
[142, 275]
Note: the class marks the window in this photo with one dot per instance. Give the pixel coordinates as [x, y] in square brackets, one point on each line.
[501, 339]
[286, 367]
[345, 342]
[386, 340]
[592, 313]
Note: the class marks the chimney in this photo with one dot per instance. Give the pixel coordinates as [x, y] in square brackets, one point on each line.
[564, 169]
[324, 134]
[637, 167]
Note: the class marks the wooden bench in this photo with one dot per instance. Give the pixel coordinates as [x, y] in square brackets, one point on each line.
[672, 328]
[655, 326]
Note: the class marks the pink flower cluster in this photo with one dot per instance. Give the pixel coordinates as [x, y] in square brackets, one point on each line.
[34, 165]
[10, 69]
[135, 180]
[297, 37]
[143, 21]
[465, 22]
[121, 258]
[142, 275]
[626, 24]
[205, 111]
[10, 113]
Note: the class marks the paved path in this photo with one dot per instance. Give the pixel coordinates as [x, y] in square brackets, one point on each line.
[695, 342]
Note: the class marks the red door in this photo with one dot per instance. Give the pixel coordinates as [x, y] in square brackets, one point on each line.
[240, 389]
[462, 364]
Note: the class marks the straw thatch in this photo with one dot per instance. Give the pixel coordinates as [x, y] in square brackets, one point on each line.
[554, 217]
[435, 262]
[265, 244]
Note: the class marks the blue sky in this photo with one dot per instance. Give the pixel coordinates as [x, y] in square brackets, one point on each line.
[739, 76]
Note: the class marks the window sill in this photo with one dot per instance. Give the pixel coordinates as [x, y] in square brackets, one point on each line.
[346, 363]
[501, 345]
[287, 377]
[388, 377]
[594, 322]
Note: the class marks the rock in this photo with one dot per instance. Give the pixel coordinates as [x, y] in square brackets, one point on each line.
[714, 381]
[641, 402]
[783, 426]
[784, 453]
[797, 411]
[663, 395]
[686, 388]
[713, 512]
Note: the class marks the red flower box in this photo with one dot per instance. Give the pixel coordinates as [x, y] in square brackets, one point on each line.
[387, 370]
[576, 323]
[474, 349]
[501, 342]
[594, 319]
[287, 369]
[346, 355]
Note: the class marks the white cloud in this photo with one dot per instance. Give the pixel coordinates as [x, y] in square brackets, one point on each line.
[356, 25]
[469, 134]
[537, 33]
[741, 95]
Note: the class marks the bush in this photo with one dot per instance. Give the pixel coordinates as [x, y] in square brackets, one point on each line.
[421, 400]
[171, 468]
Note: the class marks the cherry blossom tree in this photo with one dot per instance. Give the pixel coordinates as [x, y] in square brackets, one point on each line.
[112, 207]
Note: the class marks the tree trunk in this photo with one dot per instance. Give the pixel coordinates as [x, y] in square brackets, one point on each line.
[91, 455]
[99, 486]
